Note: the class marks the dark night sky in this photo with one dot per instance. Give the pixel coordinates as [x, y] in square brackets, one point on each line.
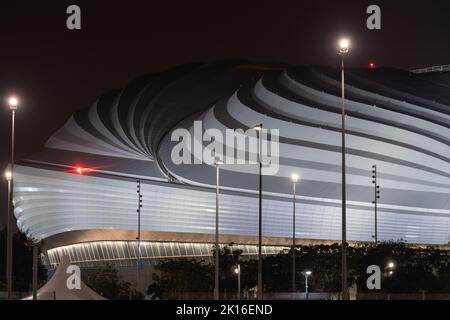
[55, 71]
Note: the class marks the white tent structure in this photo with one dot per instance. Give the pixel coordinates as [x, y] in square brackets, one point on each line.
[57, 289]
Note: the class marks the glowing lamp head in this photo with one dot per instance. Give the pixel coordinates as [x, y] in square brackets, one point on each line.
[236, 270]
[13, 103]
[308, 272]
[391, 265]
[344, 45]
[8, 175]
[294, 177]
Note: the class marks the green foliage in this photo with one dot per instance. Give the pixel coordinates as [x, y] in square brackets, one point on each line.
[229, 257]
[173, 277]
[323, 260]
[22, 264]
[106, 281]
[182, 275]
[416, 270]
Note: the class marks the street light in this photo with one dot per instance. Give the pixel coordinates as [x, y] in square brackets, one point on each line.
[34, 243]
[294, 179]
[237, 271]
[259, 129]
[391, 265]
[217, 163]
[344, 45]
[13, 103]
[8, 175]
[307, 274]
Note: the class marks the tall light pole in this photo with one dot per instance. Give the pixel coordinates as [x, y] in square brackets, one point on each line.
[259, 130]
[294, 179]
[8, 176]
[35, 269]
[375, 200]
[13, 103]
[344, 45]
[307, 274]
[34, 244]
[216, 263]
[237, 270]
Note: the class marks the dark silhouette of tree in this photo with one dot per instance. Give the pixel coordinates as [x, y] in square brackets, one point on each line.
[173, 277]
[22, 264]
[106, 281]
[416, 269]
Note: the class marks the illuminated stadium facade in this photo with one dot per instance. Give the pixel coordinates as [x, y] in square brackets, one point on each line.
[78, 194]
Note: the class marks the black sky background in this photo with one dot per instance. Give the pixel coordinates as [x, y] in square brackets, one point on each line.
[55, 71]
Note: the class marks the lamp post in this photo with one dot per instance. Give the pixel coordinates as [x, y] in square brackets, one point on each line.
[237, 270]
[344, 45]
[259, 129]
[294, 179]
[307, 274]
[8, 176]
[34, 244]
[375, 201]
[13, 103]
[35, 269]
[216, 263]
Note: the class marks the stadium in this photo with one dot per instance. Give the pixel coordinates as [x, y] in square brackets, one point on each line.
[79, 195]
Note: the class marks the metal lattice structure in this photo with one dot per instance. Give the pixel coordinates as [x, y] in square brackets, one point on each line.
[125, 253]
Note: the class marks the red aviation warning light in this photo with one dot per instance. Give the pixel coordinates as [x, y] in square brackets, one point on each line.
[82, 170]
[372, 65]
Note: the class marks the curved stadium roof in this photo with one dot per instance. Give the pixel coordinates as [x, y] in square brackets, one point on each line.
[398, 120]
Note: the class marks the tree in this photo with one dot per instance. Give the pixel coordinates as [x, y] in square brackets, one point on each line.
[175, 277]
[416, 269]
[22, 263]
[228, 260]
[106, 281]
